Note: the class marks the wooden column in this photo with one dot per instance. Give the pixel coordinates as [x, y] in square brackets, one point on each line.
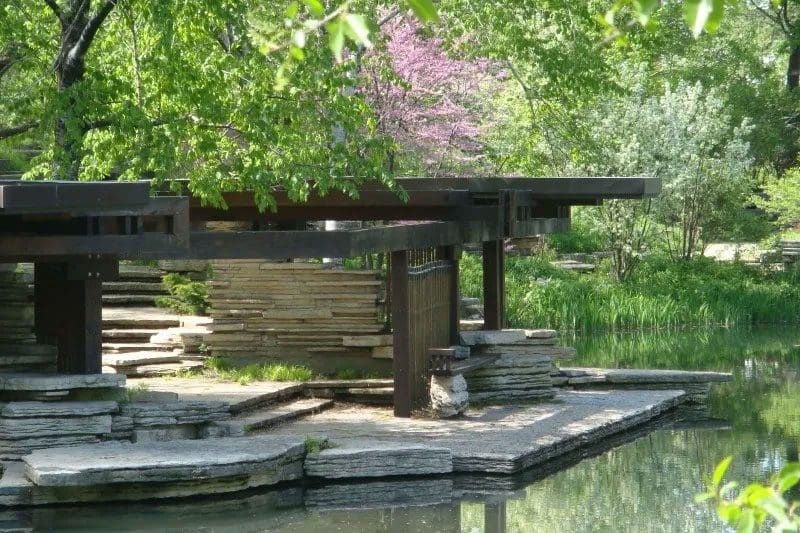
[68, 311]
[453, 253]
[401, 328]
[494, 285]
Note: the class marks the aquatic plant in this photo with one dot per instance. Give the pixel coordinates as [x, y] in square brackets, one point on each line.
[661, 294]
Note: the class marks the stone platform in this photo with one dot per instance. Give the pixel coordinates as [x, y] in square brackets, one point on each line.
[498, 439]
[123, 471]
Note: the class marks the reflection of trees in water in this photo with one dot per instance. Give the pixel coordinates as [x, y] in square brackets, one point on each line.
[649, 485]
[715, 349]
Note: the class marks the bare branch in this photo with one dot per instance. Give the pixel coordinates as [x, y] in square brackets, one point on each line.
[55, 9]
[11, 131]
[91, 28]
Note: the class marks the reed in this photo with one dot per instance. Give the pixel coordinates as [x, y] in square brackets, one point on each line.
[662, 294]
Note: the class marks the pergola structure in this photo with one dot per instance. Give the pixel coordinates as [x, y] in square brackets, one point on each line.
[75, 233]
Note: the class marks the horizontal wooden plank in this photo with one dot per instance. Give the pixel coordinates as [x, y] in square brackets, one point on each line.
[61, 196]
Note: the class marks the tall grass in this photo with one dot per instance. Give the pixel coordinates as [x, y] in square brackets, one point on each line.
[662, 294]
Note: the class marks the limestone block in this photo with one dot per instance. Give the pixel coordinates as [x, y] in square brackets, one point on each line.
[358, 459]
[483, 337]
[382, 352]
[541, 333]
[20, 428]
[269, 458]
[512, 395]
[12, 449]
[449, 396]
[381, 494]
[367, 340]
[55, 409]
[58, 382]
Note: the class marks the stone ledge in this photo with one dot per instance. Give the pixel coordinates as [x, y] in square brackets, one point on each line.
[360, 459]
[170, 461]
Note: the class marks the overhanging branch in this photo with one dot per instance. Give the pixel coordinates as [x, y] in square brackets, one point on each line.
[91, 28]
[11, 131]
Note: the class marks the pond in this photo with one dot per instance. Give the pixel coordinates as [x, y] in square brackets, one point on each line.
[646, 482]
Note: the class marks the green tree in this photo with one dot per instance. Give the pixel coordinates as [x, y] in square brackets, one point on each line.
[198, 90]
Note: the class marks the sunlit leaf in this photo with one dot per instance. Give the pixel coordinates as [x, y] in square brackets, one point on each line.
[719, 471]
[424, 9]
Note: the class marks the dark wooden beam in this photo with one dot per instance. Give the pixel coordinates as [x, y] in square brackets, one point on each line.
[401, 329]
[494, 285]
[305, 244]
[63, 196]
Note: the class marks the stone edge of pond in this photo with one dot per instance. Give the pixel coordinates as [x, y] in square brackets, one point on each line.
[130, 472]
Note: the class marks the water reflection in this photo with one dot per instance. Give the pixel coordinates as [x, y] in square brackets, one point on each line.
[639, 482]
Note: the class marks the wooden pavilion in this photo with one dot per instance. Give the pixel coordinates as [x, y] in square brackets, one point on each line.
[75, 233]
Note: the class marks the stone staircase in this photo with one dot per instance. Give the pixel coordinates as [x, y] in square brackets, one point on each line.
[19, 350]
[140, 339]
[145, 341]
[137, 286]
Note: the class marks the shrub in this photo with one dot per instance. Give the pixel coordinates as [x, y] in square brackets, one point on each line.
[187, 297]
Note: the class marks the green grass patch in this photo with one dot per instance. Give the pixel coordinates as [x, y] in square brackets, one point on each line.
[661, 294]
[221, 368]
[316, 445]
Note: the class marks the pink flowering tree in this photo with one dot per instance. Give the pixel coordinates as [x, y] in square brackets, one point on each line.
[431, 104]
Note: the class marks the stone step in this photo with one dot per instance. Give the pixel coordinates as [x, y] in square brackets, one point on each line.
[368, 458]
[128, 347]
[130, 299]
[56, 409]
[142, 334]
[278, 414]
[144, 318]
[58, 382]
[369, 395]
[156, 369]
[140, 272]
[141, 358]
[264, 460]
[127, 287]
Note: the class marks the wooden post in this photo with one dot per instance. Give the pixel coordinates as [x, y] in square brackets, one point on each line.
[68, 309]
[453, 253]
[494, 285]
[401, 328]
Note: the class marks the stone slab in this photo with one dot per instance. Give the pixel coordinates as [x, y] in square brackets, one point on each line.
[21, 428]
[55, 409]
[171, 461]
[484, 337]
[641, 376]
[58, 382]
[365, 458]
[239, 397]
[541, 333]
[500, 439]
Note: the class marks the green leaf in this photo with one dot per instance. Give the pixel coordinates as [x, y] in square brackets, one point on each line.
[292, 9]
[315, 7]
[719, 471]
[788, 477]
[424, 9]
[355, 26]
[703, 14]
[705, 496]
[336, 39]
[645, 8]
[747, 522]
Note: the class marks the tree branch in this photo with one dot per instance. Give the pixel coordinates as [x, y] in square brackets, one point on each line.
[91, 28]
[11, 131]
[55, 9]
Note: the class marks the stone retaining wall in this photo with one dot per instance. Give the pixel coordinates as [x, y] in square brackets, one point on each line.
[297, 311]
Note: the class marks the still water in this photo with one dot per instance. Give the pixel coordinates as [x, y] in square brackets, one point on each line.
[638, 483]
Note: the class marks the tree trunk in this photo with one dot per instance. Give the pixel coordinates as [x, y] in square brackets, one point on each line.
[793, 69]
[70, 68]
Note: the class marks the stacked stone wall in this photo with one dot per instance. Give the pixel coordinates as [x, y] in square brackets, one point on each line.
[297, 311]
